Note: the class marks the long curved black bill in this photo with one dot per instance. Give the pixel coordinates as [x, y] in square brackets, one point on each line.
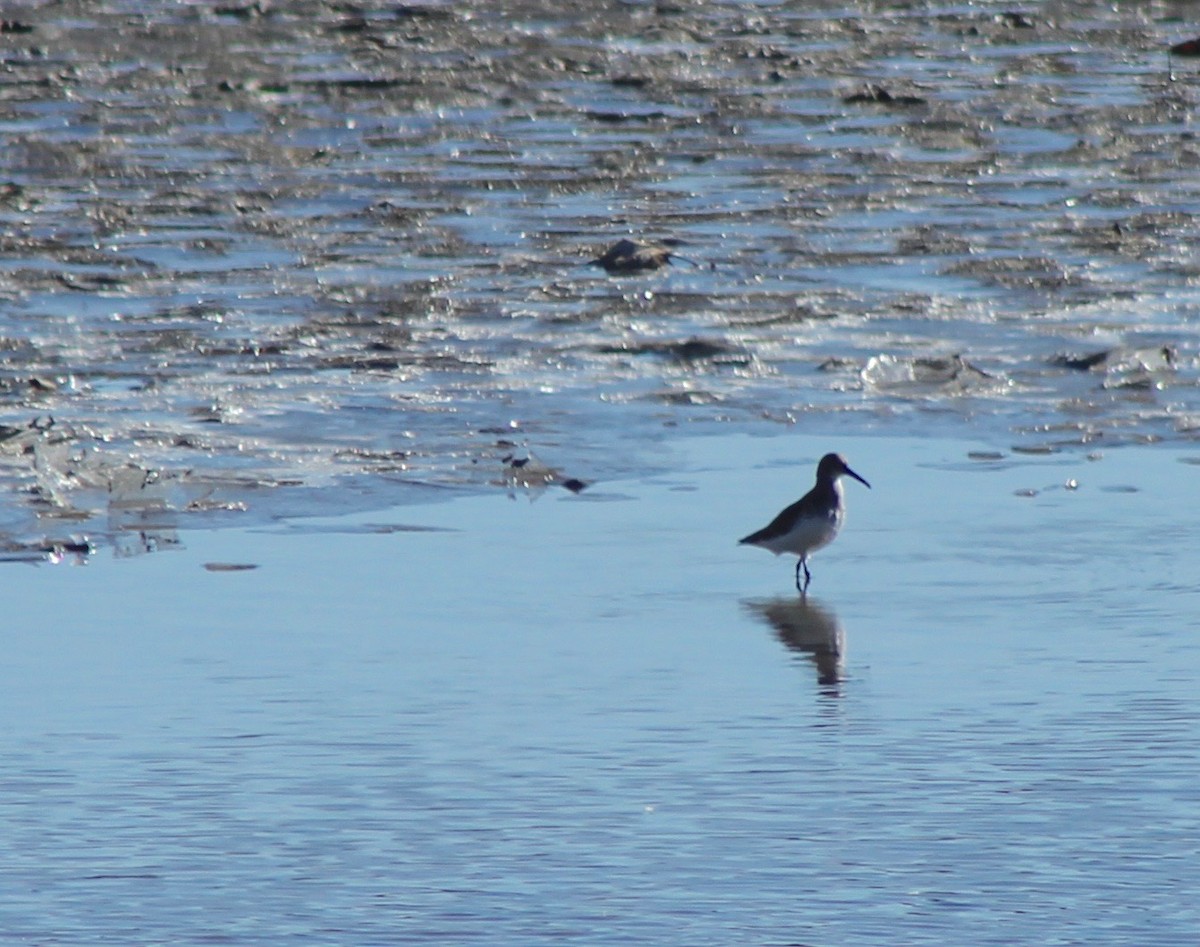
[851, 473]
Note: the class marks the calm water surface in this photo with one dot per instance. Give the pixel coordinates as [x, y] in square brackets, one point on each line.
[350, 274]
[596, 720]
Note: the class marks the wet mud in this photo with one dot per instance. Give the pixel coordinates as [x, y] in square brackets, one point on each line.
[344, 249]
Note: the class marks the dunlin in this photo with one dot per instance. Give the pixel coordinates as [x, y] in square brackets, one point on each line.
[812, 521]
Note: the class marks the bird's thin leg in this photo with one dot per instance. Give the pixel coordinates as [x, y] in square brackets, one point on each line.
[802, 588]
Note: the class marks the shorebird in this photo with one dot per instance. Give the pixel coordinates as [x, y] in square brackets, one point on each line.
[812, 521]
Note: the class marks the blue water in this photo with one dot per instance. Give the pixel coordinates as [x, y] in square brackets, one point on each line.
[351, 275]
[557, 719]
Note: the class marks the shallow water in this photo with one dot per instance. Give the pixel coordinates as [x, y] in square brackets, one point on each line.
[596, 719]
[296, 298]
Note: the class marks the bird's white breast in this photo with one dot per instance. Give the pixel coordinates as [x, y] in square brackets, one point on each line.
[809, 534]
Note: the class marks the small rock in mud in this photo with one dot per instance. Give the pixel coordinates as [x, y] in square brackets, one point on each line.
[1189, 47]
[1081, 363]
[687, 351]
[880, 95]
[1121, 361]
[889, 372]
[628, 256]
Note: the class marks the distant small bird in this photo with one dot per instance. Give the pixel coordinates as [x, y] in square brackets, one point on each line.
[812, 522]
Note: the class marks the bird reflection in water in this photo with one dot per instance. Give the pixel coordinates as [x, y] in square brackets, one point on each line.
[809, 628]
